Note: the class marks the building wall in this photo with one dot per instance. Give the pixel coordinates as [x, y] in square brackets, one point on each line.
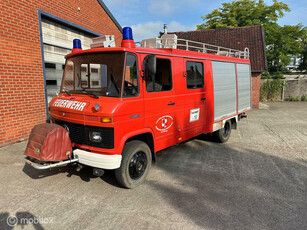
[295, 88]
[22, 95]
[256, 83]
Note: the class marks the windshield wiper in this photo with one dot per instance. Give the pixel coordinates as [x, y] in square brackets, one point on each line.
[65, 91]
[92, 94]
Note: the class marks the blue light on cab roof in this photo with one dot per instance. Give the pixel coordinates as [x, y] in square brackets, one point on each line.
[77, 44]
[127, 33]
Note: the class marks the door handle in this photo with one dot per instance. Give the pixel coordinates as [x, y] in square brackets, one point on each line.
[171, 103]
[203, 98]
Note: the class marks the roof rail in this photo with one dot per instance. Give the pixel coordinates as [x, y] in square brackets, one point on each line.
[183, 44]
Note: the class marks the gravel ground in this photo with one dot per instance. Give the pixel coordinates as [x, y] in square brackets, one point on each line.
[257, 180]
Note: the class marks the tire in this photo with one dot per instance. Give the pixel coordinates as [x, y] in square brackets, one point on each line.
[222, 135]
[135, 165]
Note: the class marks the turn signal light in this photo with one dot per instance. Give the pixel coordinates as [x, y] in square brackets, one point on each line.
[107, 119]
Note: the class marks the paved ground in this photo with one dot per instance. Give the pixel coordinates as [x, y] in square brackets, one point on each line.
[258, 180]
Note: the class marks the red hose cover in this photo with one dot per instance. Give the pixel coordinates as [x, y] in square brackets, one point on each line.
[49, 142]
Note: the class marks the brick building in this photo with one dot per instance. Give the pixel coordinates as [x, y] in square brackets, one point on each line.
[35, 36]
[237, 38]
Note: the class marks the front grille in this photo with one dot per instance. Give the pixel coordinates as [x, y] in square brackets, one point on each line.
[80, 134]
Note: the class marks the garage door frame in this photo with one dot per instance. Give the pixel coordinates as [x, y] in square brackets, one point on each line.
[42, 14]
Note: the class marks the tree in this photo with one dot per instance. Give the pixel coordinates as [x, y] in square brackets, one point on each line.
[244, 13]
[281, 41]
[303, 65]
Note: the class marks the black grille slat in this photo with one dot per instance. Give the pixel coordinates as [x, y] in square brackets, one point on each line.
[79, 133]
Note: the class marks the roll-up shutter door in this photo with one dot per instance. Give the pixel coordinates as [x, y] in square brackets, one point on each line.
[57, 41]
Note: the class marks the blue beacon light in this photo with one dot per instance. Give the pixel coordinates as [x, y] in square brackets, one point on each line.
[127, 33]
[127, 38]
[77, 45]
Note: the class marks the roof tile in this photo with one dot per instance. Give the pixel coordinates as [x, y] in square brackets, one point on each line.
[234, 38]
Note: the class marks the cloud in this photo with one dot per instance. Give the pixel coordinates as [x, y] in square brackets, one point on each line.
[152, 29]
[176, 26]
[167, 8]
[146, 30]
[161, 8]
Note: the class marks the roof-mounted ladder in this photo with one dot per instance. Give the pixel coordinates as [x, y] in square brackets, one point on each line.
[183, 44]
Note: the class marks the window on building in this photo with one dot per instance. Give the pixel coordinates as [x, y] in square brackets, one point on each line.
[51, 82]
[162, 80]
[131, 87]
[93, 74]
[195, 75]
[49, 65]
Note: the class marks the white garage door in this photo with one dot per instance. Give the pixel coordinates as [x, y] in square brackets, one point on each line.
[58, 41]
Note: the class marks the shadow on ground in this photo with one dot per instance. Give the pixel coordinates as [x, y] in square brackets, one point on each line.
[23, 220]
[86, 174]
[223, 187]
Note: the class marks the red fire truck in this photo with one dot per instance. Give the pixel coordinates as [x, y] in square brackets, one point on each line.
[118, 106]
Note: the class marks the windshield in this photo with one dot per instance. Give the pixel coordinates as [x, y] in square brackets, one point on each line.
[94, 74]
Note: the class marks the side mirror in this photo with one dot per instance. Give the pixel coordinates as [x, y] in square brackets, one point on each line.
[150, 65]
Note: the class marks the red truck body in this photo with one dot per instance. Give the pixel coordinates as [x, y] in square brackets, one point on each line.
[143, 114]
[121, 105]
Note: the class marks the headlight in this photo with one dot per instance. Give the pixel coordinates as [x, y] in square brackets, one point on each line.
[95, 136]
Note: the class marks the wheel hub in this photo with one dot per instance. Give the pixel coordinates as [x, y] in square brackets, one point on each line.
[137, 166]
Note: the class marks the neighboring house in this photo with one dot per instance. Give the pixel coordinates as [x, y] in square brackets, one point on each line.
[294, 63]
[34, 38]
[237, 38]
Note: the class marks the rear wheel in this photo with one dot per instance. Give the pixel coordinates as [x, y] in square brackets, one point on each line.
[136, 162]
[222, 135]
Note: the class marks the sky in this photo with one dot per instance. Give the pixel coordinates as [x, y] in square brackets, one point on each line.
[147, 17]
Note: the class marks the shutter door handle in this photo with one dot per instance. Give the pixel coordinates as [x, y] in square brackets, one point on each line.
[171, 103]
[203, 98]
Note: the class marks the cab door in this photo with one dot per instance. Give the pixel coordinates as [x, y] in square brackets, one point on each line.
[195, 97]
[160, 103]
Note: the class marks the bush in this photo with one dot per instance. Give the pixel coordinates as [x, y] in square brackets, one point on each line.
[291, 98]
[265, 75]
[304, 98]
[297, 99]
[271, 90]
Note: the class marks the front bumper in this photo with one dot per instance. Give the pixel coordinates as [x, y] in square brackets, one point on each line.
[84, 157]
[98, 160]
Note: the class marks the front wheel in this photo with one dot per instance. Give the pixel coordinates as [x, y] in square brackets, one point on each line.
[136, 162]
[222, 135]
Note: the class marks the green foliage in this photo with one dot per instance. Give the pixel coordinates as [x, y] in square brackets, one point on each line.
[265, 75]
[293, 98]
[271, 90]
[243, 13]
[304, 98]
[276, 75]
[280, 41]
[303, 65]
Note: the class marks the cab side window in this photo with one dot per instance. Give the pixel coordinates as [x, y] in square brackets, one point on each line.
[162, 80]
[131, 87]
[195, 75]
